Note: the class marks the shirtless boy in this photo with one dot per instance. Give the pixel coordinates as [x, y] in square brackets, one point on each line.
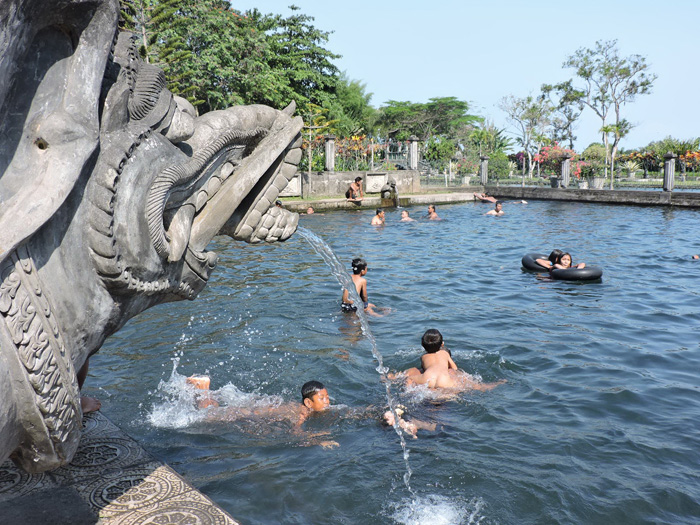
[359, 270]
[354, 192]
[405, 216]
[497, 209]
[314, 398]
[379, 218]
[439, 370]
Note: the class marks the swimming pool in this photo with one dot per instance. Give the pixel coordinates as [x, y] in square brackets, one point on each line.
[598, 420]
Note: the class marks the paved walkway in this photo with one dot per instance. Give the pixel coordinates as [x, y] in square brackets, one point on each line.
[111, 481]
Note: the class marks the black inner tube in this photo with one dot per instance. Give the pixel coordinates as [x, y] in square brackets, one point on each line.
[589, 273]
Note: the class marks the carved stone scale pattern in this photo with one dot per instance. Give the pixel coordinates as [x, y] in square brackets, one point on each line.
[40, 349]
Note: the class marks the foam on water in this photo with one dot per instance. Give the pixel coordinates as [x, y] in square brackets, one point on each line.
[434, 509]
[177, 407]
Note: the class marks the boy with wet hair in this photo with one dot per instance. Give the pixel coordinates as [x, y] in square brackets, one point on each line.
[314, 396]
[439, 370]
[379, 218]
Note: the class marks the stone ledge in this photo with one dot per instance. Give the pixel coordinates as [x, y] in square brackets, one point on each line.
[635, 197]
[111, 481]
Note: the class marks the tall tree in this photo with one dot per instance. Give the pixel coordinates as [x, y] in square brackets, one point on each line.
[530, 116]
[441, 116]
[297, 53]
[567, 108]
[608, 82]
[351, 108]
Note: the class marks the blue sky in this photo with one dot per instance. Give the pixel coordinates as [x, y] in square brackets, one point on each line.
[481, 51]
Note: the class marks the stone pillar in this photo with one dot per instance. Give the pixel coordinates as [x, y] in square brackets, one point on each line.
[330, 152]
[669, 170]
[412, 152]
[566, 171]
[484, 170]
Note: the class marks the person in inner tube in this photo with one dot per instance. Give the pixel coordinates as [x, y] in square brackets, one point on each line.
[549, 261]
[564, 262]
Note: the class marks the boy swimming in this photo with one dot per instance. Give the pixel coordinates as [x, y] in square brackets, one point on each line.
[314, 399]
[439, 370]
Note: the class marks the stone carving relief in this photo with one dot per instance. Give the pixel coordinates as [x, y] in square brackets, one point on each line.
[111, 188]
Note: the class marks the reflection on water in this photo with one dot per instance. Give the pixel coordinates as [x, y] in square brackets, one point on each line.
[598, 421]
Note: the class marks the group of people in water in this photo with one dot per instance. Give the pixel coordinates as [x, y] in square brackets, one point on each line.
[437, 371]
[379, 218]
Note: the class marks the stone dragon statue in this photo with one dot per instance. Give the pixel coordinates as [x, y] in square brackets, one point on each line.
[111, 188]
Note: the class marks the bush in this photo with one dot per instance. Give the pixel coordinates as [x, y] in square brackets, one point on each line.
[499, 166]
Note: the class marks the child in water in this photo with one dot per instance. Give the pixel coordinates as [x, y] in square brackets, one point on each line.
[564, 261]
[439, 370]
[549, 261]
[359, 270]
[314, 399]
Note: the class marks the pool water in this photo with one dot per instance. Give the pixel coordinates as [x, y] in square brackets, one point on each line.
[598, 421]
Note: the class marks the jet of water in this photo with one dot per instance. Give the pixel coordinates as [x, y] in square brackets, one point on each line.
[331, 259]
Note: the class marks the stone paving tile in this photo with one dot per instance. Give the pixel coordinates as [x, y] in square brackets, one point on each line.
[120, 483]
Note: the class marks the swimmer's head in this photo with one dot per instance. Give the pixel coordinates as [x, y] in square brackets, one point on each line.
[314, 396]
[380, 212]
[405, 214]
[431, 340]
[358, 264]
[565, 260]
[431, 208]
[498, 205]
[554, 256]
[278, 203]
[357, 179]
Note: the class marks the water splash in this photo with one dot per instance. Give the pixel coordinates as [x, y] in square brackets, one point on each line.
[436, 509]
[328, 255]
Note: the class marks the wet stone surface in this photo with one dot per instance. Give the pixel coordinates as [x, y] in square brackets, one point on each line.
[111, 480]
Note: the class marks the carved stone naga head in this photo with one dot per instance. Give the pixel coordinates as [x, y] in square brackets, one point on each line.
[110, 190]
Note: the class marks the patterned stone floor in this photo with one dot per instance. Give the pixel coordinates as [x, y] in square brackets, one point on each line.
[111, 481]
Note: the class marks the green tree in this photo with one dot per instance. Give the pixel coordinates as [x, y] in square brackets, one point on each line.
[567, 108]
[609, 81]
[439, 151]
[441, 116]
[351, 108]
[297, 54]
[531, 117]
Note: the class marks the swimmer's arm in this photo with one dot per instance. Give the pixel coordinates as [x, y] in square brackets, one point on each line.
[451, 363]
[546, 263]
[484, 387]
[346, 298]
[581, 265]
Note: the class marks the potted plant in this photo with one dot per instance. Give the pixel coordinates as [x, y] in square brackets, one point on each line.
[590, 171]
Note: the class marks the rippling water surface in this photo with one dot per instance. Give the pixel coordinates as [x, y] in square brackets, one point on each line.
[598, 421]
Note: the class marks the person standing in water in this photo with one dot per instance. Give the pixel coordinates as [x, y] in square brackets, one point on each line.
[379, 218]
[359, 270]
[432, 214]
[497, 209]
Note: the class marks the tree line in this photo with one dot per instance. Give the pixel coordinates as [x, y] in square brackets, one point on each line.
[217, 56]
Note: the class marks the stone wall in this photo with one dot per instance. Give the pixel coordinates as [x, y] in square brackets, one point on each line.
[335, 183]
[648, 198]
